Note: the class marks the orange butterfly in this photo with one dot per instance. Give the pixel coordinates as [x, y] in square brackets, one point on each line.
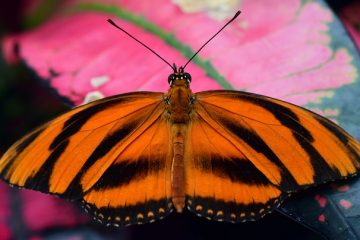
[224, 155]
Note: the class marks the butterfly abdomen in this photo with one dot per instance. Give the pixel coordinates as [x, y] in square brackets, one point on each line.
[177, 166]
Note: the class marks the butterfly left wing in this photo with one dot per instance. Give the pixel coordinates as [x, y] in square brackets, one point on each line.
[136, 187]
[247, 152]
[111, 154]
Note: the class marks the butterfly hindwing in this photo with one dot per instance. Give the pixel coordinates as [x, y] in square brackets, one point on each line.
[247, 152]
[112, 154]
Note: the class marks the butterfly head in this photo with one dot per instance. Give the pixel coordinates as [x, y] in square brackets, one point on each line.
[179, 77]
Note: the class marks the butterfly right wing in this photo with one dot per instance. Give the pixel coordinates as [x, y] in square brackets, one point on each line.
[113, 154]
[247, 152]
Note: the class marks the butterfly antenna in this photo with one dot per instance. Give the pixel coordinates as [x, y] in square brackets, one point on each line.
[236, 15]
[118, 27]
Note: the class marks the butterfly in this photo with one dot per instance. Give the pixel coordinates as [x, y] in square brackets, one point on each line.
[225, 155]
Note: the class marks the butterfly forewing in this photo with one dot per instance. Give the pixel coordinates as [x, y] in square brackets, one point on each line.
[246, 152]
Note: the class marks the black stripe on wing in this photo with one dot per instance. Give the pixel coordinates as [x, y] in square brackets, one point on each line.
[121, 174]
[236, 169]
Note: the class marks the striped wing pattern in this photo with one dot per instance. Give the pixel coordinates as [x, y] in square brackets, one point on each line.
[247, 152]
[113, 155]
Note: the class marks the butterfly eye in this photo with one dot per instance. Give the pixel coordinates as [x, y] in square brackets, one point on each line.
[171, 78]
[187, 77]
[192, 100]
[167, 100]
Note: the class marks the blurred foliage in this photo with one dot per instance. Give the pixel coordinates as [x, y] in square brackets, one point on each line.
[24, 103]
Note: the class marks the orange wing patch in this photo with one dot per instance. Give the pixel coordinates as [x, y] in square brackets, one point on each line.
[247, 152]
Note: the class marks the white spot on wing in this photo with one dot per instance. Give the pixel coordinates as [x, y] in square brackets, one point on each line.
[92, 96]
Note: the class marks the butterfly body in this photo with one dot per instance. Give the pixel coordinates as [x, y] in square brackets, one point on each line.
[178, 111]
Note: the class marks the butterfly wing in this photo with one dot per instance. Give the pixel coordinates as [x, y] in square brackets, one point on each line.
[111, 154]
[247, 152]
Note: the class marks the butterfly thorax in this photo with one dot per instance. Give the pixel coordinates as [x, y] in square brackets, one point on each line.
[179, 101]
